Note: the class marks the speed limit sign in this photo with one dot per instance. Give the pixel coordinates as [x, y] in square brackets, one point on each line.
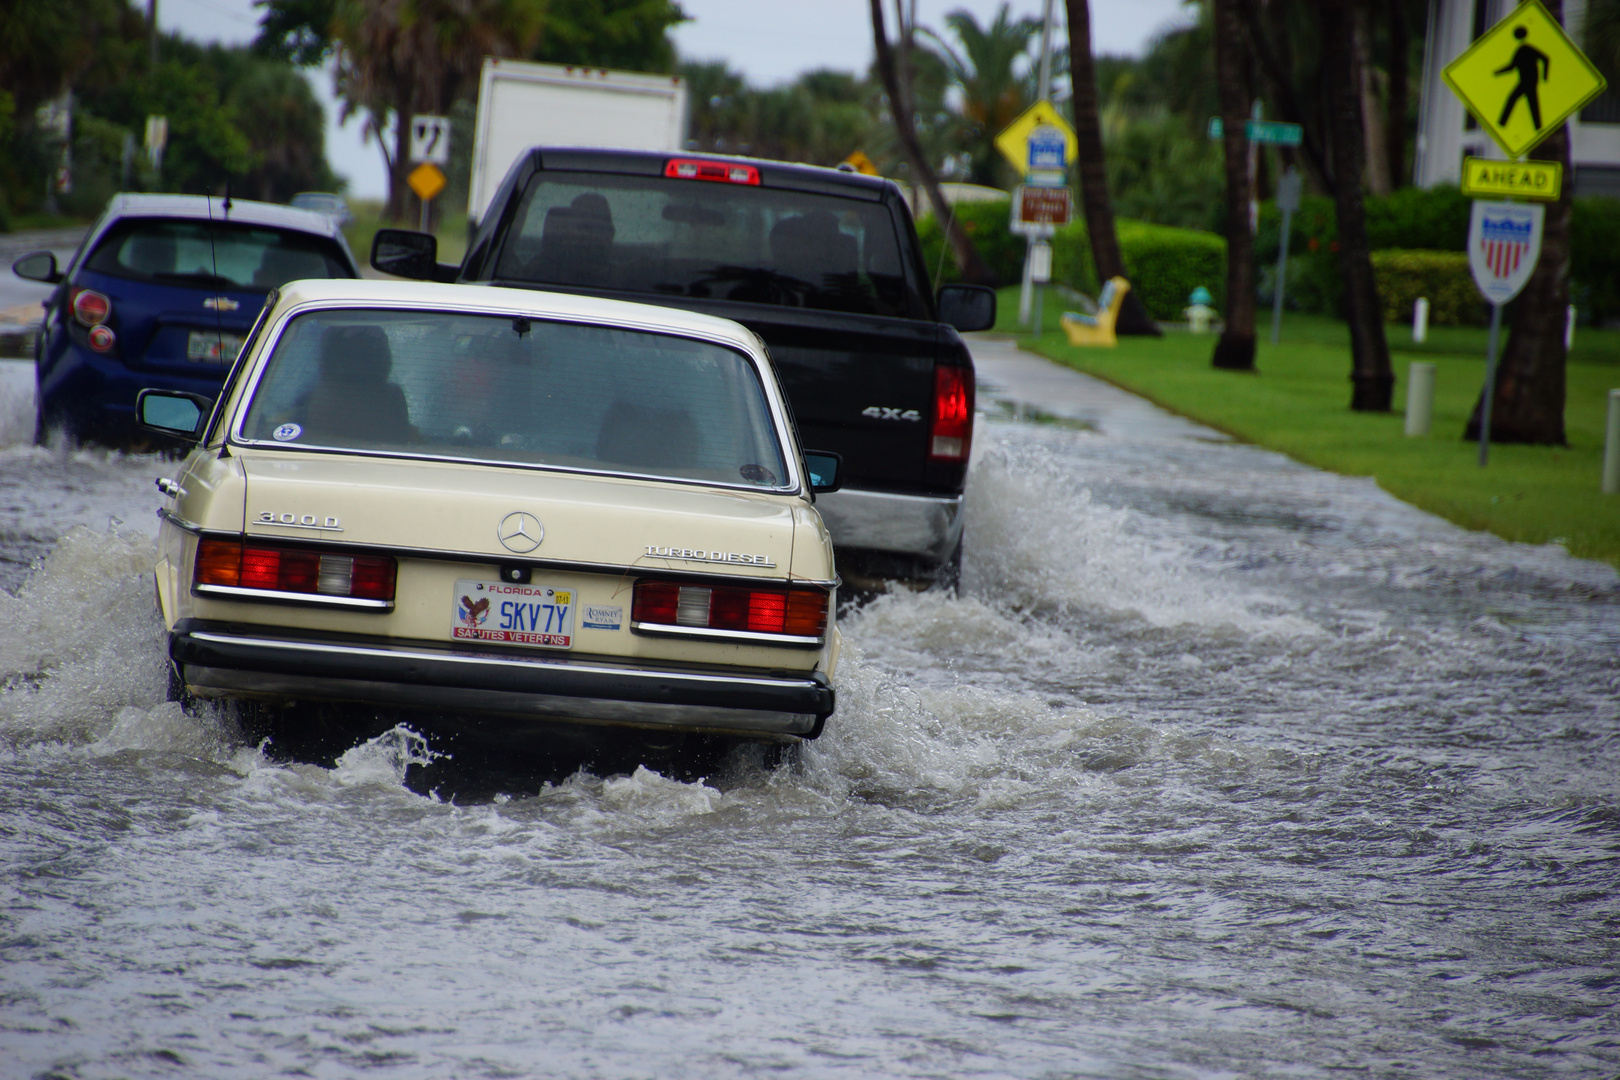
[430, 139]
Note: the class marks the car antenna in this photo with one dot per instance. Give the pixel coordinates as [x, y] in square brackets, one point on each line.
[217, 302]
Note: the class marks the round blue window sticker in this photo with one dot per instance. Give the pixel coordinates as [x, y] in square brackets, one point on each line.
[286, 432]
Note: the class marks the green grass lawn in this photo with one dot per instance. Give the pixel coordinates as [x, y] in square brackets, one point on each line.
[1298, 402]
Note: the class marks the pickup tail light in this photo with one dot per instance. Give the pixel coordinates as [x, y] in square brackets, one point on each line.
[724, 172]
[243, 565]
[792, 613]
[951, 437]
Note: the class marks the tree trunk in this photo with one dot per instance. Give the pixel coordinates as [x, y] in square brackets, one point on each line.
[1529, 402]
[967, 257]
[1400, 46]
[1372, 378]
[1235, 349]
[400, 197]
[1095, 202]
[1372, 113]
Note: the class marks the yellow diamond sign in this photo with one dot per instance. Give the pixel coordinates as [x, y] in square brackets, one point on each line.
[1523, 78]
[1039, 118]
[426, 180]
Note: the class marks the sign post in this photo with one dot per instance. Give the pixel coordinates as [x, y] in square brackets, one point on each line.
[1504, 242]
[1039, 144]
[430, 146]
[1288, 192]
[1521, 79]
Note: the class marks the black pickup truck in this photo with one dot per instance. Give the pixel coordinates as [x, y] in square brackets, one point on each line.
[823, 264]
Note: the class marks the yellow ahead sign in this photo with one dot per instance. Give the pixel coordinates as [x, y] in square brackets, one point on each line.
[1523, 78]
[1040, 119]
[1514, 179]
[861, 164]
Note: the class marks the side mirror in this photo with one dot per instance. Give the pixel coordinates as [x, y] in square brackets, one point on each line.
[38, 266]
[967, 307]
[406, 254]
[172, 412]
[823, 467]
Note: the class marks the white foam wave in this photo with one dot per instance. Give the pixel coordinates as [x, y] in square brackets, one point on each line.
[81, 640]
[1038, 540]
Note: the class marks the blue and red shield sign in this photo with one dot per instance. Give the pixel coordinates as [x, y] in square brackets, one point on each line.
[1504, 242]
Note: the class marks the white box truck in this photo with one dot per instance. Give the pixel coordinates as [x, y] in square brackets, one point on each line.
[521, 105]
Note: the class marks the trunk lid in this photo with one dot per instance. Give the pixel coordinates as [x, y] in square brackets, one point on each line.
[455, 508]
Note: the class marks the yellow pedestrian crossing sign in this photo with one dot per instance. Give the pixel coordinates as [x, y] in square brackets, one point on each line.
[1522, 78]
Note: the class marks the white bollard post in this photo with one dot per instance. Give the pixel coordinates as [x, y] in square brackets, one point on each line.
[1611, 447]
[1420, 320]
[1569, 329]
[1419, 397]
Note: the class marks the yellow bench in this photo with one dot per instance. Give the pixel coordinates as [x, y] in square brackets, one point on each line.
[1098, 329]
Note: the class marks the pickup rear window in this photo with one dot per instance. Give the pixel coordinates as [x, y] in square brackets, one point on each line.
[716, 240]
[219, 255]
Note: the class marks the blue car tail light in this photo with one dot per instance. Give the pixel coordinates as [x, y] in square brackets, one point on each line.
[90, 307]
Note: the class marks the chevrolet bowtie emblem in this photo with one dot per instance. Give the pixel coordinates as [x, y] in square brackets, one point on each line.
[520, 532]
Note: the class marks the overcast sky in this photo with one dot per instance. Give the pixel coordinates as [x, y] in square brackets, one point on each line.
[769, 41]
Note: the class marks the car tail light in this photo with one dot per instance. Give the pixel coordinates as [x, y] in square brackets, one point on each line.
[90, 307]
[238, 565]
[952, 434]
[796, 613]
[102, 338]
[723, 171]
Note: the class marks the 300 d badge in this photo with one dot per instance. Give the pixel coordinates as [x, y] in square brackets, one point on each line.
[299, 521]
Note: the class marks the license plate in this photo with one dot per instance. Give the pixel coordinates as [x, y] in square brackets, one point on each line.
[535, 614]
[212, 345]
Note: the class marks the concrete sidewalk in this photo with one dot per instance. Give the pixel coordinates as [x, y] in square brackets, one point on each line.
[1031, 385]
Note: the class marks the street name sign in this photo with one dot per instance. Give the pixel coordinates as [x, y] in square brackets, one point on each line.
[1268, 132]
[1504, 242]
[1039, 211]
[430, 139]
[1523, 78]
[1512, 179]
[1032, 142]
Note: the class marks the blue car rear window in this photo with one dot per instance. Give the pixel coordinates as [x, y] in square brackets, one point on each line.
[223, 255]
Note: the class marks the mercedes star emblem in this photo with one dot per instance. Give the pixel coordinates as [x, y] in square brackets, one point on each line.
[520, 532]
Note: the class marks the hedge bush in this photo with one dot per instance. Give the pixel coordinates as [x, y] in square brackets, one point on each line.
[1435, 219]
[1164, 264]
[1442, 276]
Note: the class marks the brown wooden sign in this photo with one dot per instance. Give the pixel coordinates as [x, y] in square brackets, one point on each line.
[1042, 208]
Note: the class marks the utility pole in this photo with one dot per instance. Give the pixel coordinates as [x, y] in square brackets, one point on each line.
[1027, 297]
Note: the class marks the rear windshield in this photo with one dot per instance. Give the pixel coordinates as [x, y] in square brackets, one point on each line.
[706, 239]
[214, 254]
[495, 388]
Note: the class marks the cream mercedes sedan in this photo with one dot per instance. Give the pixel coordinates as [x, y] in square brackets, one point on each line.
[510, 506]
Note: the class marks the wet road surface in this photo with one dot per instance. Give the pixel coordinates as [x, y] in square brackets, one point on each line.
[1219, 767]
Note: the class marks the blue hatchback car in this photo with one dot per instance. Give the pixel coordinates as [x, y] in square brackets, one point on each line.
[162, 293]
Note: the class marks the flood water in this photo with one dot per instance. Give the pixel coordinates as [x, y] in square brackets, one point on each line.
[1219, 767]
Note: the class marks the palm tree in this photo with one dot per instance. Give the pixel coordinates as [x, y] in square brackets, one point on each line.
[398, 58]
[986, 70]
[1235, 349]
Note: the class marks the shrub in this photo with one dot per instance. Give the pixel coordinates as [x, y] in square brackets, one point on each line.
[1594, 267]
[1442, 276]
[1164, 263]
[986, 224]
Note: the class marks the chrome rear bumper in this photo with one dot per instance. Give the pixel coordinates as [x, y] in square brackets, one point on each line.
[928, 526]
[223, 660]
